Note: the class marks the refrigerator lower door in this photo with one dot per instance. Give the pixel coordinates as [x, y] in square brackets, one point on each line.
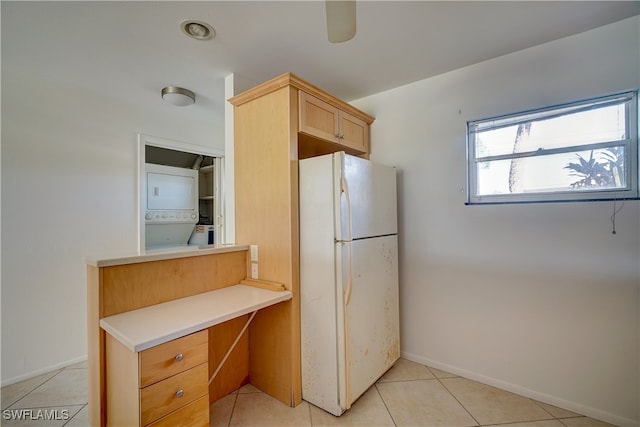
[370, 304]
[320, 321]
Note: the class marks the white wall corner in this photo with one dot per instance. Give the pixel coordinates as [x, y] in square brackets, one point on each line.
[229, 166]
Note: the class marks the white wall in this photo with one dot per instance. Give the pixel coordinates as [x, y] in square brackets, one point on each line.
[68, 190]
[233, 85]
[540, 299]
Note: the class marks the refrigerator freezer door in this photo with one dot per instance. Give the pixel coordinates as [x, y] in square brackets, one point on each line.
[371, 313]
[370, 190]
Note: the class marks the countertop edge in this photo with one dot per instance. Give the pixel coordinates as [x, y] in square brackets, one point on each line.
[174, 253]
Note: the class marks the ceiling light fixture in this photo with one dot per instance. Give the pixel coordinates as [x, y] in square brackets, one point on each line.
[178, 96]
[198, 30]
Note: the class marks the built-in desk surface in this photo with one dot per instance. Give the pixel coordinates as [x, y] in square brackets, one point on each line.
[153, 325]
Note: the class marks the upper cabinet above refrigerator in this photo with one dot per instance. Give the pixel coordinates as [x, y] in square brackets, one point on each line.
[323, 123]
[322, 120]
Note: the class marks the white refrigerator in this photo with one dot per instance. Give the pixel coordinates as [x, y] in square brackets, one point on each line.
[350, 334]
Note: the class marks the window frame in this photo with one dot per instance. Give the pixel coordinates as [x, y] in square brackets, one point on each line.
[632, 153]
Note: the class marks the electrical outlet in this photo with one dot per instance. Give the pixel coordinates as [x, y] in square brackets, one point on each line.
[254, 253]
[254, 270]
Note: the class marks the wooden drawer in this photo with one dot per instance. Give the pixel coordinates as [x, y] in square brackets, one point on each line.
[195, 414]
[162, 398]
[166, 360]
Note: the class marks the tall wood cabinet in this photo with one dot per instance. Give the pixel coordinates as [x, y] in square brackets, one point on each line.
[277, 123]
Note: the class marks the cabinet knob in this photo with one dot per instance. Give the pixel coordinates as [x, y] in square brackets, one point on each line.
[179, 357]
[180, 393]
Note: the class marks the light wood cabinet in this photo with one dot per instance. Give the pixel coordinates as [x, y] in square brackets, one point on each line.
[193, 414]
[170, 394]
[160, 384]
[121, 287]
[323, 120]
[173, 357]
[269, 140]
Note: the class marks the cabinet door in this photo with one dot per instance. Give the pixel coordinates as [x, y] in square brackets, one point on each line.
[317, 118]
[354, 133]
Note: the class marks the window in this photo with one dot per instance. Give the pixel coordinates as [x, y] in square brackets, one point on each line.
[581, 151]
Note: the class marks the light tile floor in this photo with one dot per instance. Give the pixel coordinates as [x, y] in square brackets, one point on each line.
[409, 394]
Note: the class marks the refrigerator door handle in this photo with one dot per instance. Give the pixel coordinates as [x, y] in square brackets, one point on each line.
[347, 292]
[344, 188]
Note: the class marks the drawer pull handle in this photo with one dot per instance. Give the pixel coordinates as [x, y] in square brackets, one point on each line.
[179, 393]
[179, 357]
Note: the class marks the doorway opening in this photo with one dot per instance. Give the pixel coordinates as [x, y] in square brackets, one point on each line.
[209, 226]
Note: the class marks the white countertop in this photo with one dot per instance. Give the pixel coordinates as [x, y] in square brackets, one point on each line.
[162, 254]
[150, 326]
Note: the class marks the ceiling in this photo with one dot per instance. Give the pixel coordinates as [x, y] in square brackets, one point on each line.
[130, 50]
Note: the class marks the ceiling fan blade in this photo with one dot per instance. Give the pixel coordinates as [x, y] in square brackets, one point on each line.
[341, 20]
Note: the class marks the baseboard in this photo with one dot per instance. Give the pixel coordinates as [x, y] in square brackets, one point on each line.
[17, 379]
[514, 388]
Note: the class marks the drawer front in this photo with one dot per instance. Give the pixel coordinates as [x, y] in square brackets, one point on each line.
[161, 398]
[195, 414]
[168, 359]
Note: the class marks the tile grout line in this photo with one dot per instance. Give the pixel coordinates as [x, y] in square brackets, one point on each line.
[233, 408]
[385, 404]
[57, 372]
[452, 395]
[559, 419]
[34, 388]
[541, 407]
[536, 402]
[552, 417]
[76, 414]
[310, 416]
